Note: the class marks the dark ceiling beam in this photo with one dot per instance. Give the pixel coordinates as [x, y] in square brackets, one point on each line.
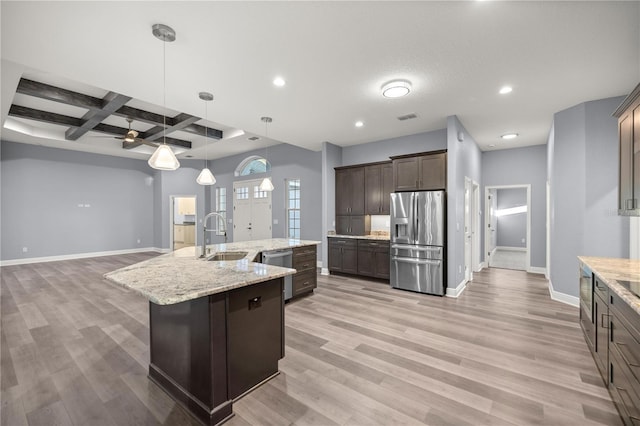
[197, 129]
[110, 103]
[43, 116]
[57, 94]
[178, 122]
[184, 122]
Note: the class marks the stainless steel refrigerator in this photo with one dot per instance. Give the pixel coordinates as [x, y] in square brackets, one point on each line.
[418, 241]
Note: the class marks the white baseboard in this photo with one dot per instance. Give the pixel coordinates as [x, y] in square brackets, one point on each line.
[563, 297]
[511, 248]
[456, 291]
[319, 264]
[537, 270]
[324, 271]
[29, 260]
[480, 267]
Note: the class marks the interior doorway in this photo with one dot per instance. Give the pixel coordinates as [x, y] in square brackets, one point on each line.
[508, 226]
[251, 211]
[471, 228]
[183, 221]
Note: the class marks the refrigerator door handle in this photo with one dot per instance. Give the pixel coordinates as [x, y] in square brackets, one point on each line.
[416, 261]
[417, 248]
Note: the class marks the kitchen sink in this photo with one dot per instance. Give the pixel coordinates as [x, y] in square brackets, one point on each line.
[228, 255]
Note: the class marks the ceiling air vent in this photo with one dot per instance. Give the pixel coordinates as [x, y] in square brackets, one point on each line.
[254, 138]
[407, 117]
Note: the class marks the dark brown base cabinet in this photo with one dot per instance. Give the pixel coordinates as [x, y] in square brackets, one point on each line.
[304, 261]
[613, 337]
[373, 259]
[359, 257]
[208, 351]
[343, 255]
[624, 359]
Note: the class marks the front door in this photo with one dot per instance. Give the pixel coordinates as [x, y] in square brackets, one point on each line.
[251, 211]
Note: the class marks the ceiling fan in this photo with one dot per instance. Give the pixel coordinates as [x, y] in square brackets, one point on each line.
[131, 136]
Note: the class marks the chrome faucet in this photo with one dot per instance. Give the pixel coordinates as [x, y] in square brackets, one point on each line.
[217, 229]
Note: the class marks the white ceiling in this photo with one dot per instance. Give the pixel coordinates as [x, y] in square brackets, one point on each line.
[334, 57]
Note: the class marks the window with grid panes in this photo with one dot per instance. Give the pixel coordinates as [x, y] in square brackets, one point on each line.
[292, 196]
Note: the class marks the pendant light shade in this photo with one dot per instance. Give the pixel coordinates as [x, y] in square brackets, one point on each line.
[206, 177]
[266, 185]
[164, 159]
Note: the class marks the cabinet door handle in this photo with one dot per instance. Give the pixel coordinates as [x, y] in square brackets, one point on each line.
[602, 322]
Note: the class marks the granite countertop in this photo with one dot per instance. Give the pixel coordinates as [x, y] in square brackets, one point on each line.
[361, 237]
[612, 270]
[180, 275]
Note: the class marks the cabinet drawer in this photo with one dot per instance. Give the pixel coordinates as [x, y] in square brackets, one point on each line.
[304, 251]
[344, 242]
[308, 261]
[373, 245]
[627, 348]
[304, 282]
[600, 288]
[622, 390]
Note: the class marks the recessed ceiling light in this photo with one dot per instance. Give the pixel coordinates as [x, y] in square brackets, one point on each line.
[279, 81]
[506, 89]
[359, 124]
[492, 145]
[396, 89]
[509, 136]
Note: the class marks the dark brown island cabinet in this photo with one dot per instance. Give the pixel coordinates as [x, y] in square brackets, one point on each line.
[306, 277]
[612, 332]
[420, 172]
[209, 351]
[628, 114]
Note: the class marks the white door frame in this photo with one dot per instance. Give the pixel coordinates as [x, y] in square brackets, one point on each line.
[471, 219]
[487, 241]
[172, 200]
[547, 268]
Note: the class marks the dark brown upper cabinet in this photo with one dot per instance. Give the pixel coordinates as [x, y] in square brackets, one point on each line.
[378, 185]
[349, 191]
[628, 114]
[420, 172]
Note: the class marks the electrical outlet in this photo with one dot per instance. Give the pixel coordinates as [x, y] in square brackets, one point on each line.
[138, 240]
[275, 221]
[80, 205]
[25, 249]
[459, 269]
[87, 205]
[523, 240]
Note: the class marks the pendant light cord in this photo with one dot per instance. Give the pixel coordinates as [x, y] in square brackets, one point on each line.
[206, 134]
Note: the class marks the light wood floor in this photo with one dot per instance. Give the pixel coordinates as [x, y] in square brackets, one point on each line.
[74, 350]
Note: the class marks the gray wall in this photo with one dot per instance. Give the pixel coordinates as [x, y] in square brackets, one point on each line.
[583, 178]
[464, 160]
[287, 161]
[41, 190]
[511, 229]
[331, 158]
[523, 166]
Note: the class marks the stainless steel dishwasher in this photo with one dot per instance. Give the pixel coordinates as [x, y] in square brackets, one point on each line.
[282, 258]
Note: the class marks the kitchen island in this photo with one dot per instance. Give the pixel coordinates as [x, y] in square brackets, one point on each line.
[216, 327]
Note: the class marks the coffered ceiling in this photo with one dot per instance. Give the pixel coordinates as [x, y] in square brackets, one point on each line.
[333, 56]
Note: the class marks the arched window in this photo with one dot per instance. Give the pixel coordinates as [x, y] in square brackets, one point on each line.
[252, 165]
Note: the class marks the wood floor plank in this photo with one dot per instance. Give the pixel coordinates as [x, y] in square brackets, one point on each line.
[75, 350]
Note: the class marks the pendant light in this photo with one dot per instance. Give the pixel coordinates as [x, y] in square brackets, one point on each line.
[206, 177]
[164, 158]
[266, 184]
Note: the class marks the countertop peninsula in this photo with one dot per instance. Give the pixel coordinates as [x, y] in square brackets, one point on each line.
[180, 275]
[611, 270]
